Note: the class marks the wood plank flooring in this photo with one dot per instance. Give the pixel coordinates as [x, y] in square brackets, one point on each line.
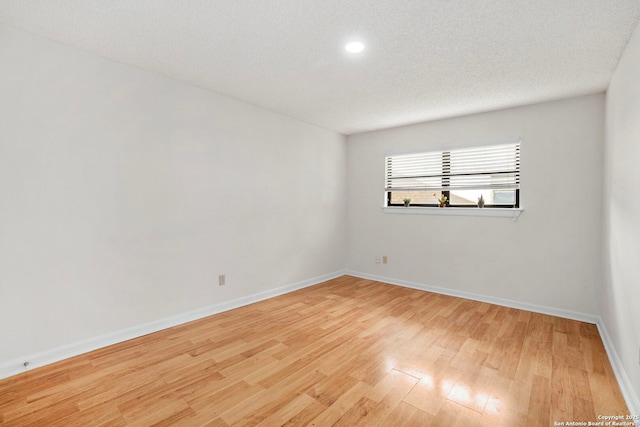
[345, 352]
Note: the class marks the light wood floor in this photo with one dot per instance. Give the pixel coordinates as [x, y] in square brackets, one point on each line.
[346, 352]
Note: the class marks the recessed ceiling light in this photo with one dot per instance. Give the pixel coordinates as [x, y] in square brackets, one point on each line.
[354, 47]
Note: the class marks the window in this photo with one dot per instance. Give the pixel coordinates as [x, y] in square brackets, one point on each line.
[460, 174]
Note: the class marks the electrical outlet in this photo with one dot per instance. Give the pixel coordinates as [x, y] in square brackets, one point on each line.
[377, 260]
[221, 280]
[384, 259]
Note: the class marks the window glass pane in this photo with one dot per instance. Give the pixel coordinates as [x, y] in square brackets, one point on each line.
[491, 197]
[504, 197]
[417, 197]
[465, 197]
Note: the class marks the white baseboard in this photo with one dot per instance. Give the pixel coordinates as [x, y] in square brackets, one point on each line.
[16, 366]
[626, 388]
[567, 314]
[630, 397]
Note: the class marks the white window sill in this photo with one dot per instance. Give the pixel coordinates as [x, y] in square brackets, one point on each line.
[491, 212]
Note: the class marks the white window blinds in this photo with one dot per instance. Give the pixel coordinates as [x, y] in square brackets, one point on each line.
[480, 167]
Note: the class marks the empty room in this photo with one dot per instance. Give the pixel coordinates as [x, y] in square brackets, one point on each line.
[377, 213]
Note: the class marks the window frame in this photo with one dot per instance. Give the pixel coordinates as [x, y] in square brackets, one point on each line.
[446, 176]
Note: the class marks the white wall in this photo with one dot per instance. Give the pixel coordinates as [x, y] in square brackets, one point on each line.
[621, 291]
[124, 195]
[551, 256]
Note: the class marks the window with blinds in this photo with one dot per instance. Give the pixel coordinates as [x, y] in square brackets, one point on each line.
[462, 175]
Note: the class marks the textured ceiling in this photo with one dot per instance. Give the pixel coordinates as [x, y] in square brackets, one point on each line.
[425, 59]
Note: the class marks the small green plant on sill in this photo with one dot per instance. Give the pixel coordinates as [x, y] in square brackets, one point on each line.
[442, 200]
[407, 201]
[481, 201]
